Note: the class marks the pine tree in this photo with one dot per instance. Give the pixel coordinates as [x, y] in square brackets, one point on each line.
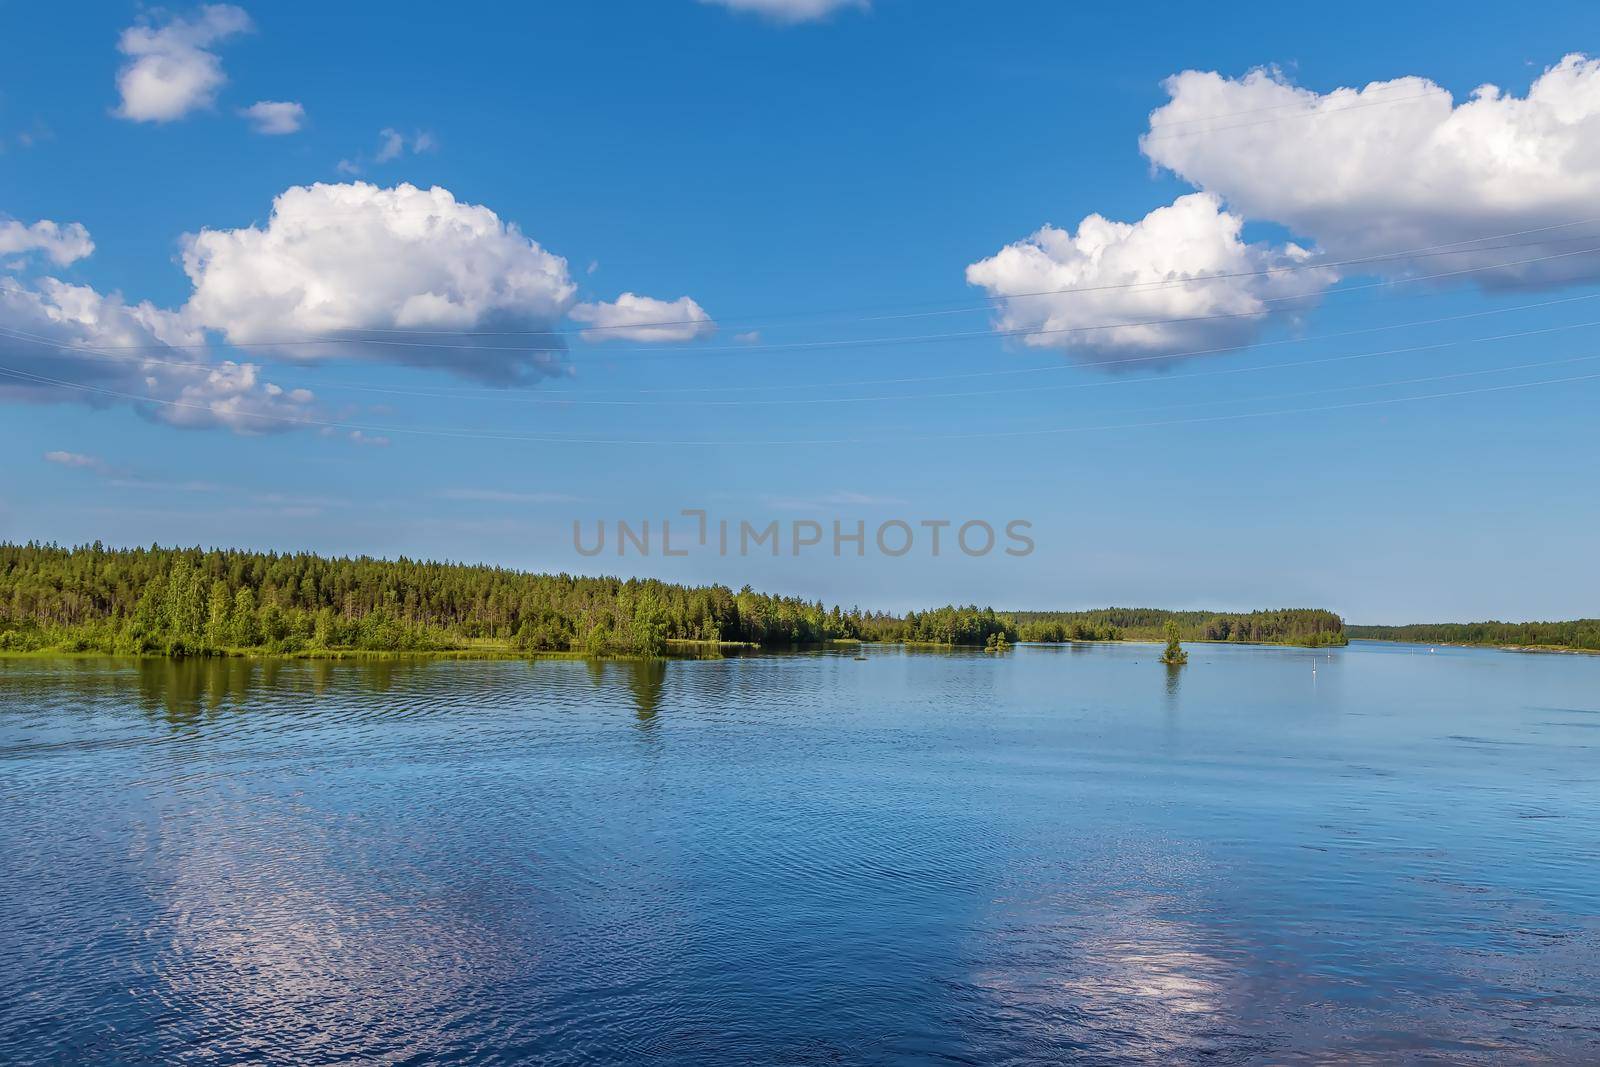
[1174, 656]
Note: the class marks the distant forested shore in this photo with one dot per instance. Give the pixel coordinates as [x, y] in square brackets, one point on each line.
[1312, 627]
[194, 601]
[1579, 634]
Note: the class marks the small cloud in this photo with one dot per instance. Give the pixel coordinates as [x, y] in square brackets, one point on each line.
[644, 319]
[594, 265]
[64, 245]
[368, 440]
[749, 337]
[170, 70]
[275, 117]
[77, 460]
[393, 144]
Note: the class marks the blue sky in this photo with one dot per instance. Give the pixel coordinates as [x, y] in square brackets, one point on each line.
[794, 190]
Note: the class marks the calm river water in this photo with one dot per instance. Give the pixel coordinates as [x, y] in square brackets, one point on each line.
[1054, 854]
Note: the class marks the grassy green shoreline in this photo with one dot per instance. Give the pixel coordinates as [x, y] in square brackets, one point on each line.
[687, 650]
[479, 651]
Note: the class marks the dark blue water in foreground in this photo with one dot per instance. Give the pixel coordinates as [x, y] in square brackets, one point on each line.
[1058, 854]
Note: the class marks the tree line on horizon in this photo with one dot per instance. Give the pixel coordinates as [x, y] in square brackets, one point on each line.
[1575, 633]
[193, 601]
[1312, 627]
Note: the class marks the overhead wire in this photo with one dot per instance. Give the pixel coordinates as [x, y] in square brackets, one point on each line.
[1147, 285]
[478, 434]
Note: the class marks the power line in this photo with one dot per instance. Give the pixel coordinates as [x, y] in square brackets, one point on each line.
[1058, 366]
[561, 401]
[566, 401]
[470, 434]
[1446, 248]
[1151, 285]
[1292, 303]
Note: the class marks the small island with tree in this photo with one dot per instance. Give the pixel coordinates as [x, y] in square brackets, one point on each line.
[1174, 655]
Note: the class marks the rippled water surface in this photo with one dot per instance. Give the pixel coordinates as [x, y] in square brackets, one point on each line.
[1060, 853]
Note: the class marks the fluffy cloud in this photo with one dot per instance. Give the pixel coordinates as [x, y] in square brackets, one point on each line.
[1491, 191]
[1183, 262]
[61, 342]
[641, 318]
[170, 70]
[1398, 164]
[354, 260]
[275, 117]
[788, 10]
[403, 275]
[63, 244]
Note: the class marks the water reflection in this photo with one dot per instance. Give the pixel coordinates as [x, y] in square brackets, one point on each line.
[189, 692]
[263, 956]
[185, 691]
[646, 679]
[1116, 970]
[915, 857]
[193, 692]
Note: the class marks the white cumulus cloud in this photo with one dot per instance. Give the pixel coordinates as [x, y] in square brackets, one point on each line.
[1179, 280]
[645, 319]
[69, 343]
[275, 117]
[63, 244]
[171, 70]
[396, 266]
[788, 10]
[402, 275]
[1398, 165]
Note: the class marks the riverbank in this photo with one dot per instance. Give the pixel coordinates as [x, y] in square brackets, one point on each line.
[674, 649]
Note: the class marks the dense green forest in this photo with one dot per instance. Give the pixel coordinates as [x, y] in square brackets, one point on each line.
[968, 625]
[192, 601]
[1577, 633]
[1290, 626]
